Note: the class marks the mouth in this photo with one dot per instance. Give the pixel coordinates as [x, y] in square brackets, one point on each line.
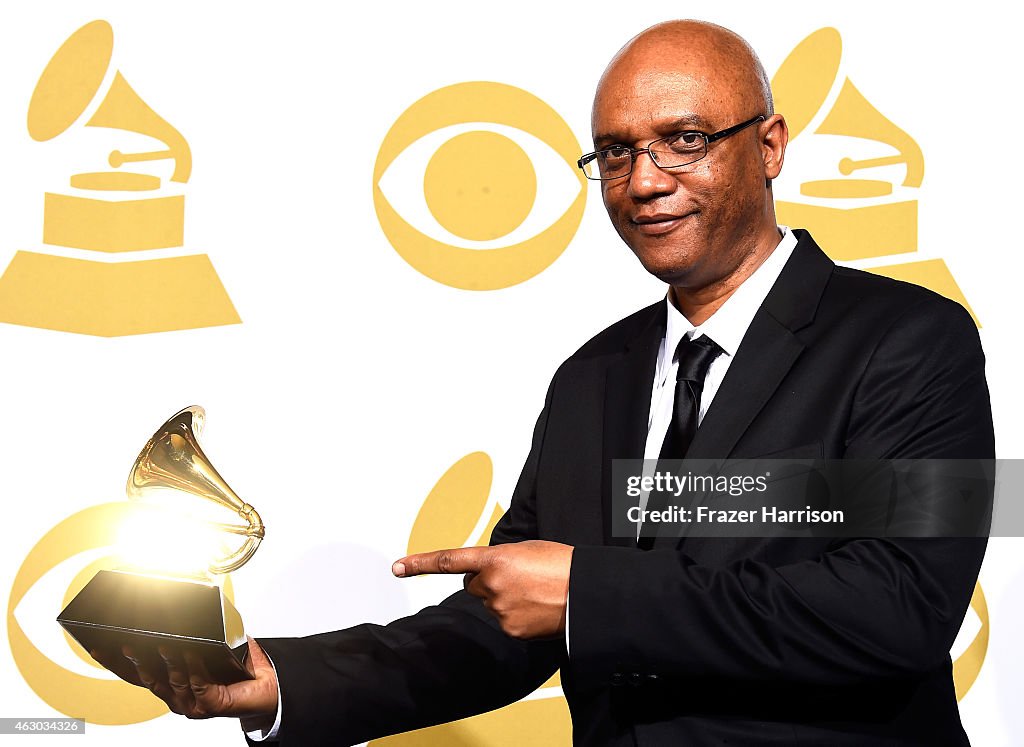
[658, 223]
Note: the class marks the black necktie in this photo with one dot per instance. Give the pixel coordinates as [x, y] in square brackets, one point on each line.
[695, 358]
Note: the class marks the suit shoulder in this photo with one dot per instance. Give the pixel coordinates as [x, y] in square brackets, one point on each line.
[866, 293]
[616, 337]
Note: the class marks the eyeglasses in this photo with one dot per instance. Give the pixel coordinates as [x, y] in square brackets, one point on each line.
[680, 149]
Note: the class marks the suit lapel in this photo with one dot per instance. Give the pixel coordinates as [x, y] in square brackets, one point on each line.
[765, 357]
[769, 349]
[627, 405]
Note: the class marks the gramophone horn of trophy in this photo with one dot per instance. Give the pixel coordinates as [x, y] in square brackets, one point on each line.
[119, 607]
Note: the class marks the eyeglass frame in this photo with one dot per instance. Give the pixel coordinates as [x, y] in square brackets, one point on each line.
[634, 152]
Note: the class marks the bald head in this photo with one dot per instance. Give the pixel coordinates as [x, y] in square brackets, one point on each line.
[690, 103]
[733, 75]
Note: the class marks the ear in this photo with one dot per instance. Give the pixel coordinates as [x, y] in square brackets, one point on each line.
[774, 138]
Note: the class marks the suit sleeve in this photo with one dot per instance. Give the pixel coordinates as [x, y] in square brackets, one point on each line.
[441, 664]
[860, 610]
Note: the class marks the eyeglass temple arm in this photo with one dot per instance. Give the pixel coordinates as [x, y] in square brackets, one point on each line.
[734, 129]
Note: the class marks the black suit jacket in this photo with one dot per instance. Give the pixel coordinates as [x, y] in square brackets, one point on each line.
[709, 641]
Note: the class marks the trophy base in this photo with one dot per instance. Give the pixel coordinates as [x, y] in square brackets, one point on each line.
[117, 608]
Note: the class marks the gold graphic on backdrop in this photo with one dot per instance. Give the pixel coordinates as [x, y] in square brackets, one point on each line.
[471, 197]
[967, 666]
[101, 297]
[455, 506]
[887, 224]
[543, 721]
[484, 204]
[97, 700]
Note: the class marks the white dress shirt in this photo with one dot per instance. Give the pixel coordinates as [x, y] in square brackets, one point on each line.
[726, 327]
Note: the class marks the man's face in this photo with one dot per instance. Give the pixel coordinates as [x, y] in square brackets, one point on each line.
[694, 225]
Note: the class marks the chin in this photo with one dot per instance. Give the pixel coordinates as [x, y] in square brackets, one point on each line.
[669, 267]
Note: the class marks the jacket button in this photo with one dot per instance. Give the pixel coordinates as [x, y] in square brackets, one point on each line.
[618, 679]
[635, 679]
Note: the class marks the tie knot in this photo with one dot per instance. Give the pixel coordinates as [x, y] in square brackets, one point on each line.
[695, 358]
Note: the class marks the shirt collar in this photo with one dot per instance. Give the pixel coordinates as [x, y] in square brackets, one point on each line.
[729, 323]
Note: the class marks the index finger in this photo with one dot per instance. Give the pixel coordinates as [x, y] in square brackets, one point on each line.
[456, 560]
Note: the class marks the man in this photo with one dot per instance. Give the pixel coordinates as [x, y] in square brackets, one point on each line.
[696, 641]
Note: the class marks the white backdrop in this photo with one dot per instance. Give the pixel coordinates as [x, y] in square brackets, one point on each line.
[354, 381]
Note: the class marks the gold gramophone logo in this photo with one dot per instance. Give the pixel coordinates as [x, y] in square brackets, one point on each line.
[110, 218]
[867, 209]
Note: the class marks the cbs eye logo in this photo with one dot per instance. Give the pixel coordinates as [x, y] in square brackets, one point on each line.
[485, 176]
[55, 570]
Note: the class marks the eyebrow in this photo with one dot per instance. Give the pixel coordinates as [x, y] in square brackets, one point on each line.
[680, 123]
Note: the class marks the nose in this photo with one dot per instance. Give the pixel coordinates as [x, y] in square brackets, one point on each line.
[647, 180]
